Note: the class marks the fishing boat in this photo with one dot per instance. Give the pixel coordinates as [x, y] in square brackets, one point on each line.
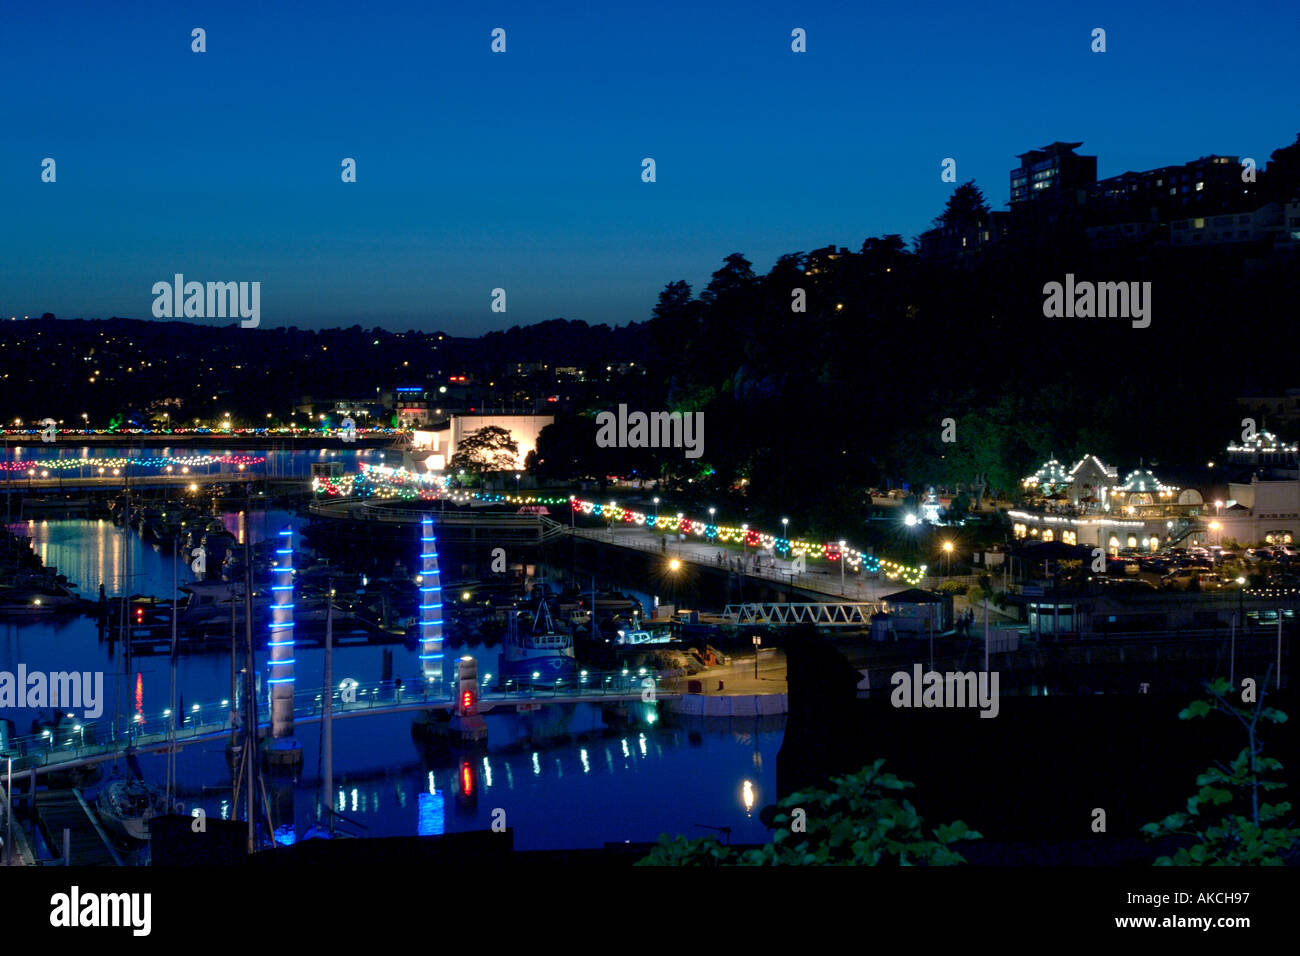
[538, 653]
[127, 806]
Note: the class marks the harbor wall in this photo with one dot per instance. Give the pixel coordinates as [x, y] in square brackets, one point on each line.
[728, 705]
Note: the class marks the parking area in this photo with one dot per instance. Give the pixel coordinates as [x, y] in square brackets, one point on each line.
[1204, 568]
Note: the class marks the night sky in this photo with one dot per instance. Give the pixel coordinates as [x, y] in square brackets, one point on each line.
[523, 170]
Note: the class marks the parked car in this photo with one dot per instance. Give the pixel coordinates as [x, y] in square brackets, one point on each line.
[1179, 579]
[1125, 585]
[1122, 565]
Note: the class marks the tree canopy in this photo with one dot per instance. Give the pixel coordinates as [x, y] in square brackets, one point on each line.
[486, 449]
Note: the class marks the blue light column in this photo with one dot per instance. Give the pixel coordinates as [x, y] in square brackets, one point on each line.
[430, 605]
[280, 644]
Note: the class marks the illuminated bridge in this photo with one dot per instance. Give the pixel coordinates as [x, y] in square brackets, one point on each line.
[493, 528]
[96, 741]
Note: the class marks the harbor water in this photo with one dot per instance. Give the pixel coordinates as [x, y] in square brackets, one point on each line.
[565, 776]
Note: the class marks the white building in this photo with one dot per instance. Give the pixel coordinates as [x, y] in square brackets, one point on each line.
[431, 450]
[1088, 505]
[1262, 512]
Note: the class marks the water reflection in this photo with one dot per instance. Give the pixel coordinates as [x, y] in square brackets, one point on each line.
[674, 771]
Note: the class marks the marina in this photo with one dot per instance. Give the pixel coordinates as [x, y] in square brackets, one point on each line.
[563, 688]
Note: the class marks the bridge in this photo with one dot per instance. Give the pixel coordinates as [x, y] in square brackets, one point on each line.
[42, 753]
[827, 581]
[137, 472]
[138, 482]
[788, 615]
[451, 527]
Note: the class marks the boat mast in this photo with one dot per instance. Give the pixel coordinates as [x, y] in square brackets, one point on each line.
[250, 693]
[234, 656]
[126, 591]
[171, 729]
[120, 669]
[327, 717]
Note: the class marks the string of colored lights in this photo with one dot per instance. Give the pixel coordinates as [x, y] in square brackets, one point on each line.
[385, 482]
[204, 430]
[388, 483]
[154, 461]
[811, 549]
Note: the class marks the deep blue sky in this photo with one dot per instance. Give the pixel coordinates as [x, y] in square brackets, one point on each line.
[522, 170]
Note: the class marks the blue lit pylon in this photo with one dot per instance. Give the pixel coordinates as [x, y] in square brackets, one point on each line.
[430, 605]
[281, 641]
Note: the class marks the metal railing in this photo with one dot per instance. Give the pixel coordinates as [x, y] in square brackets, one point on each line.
[817, 614]
[86, 742]
[855, 588]
[368, 509]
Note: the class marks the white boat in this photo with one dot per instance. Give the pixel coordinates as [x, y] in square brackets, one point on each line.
[127, 806]
[35, 598]
[643, 637]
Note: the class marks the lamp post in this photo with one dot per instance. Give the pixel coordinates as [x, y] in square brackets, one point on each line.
[1279, 650]
[841, 567]
[785, 532]
[947, 550]
[757, 642]
[1241, 617]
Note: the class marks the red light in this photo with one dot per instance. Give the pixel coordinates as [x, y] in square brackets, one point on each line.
[467, 700]
[466, 780]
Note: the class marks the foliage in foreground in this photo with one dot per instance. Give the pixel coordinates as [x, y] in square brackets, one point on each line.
[861, 821]
[1226, 819]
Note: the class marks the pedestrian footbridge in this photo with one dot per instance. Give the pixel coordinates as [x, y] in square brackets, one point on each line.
[81, 745]
[787, 615]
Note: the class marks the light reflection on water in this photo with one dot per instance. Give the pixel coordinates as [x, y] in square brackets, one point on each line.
[570, 776]
[550, 792]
